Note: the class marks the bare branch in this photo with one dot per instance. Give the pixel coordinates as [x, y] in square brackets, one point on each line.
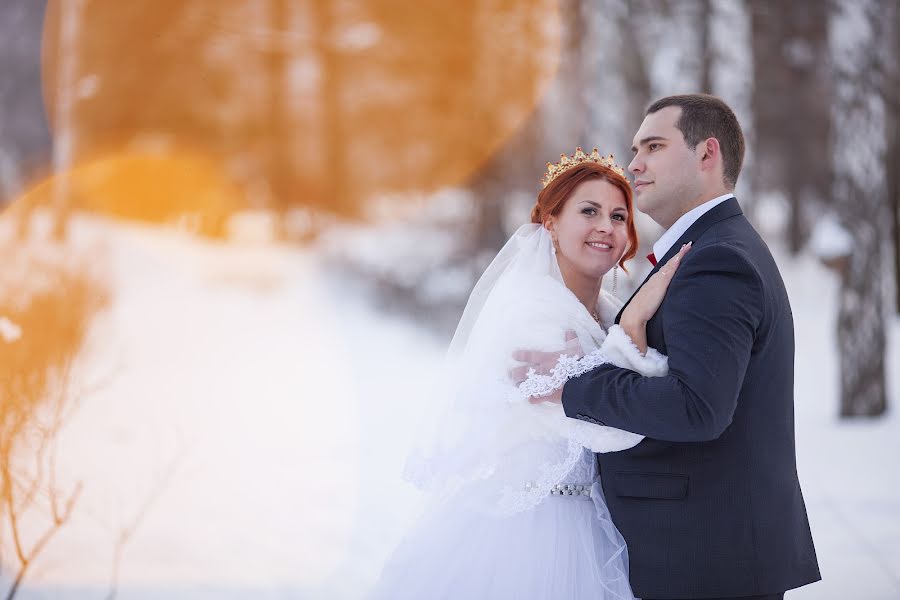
[128, 531]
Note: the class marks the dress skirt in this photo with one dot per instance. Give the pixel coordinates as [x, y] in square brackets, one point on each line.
[566, 547]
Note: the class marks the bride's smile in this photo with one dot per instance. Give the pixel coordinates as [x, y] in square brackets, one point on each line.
[602, 246]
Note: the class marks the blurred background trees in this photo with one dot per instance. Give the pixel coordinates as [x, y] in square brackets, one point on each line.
[440, 116]
[315, 106]
[25, 147]
[791, 105]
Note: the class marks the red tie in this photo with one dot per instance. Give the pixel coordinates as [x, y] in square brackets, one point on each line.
[652, 258]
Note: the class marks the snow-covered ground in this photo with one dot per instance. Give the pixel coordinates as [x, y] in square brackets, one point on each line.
[258, 408]
[848, 470]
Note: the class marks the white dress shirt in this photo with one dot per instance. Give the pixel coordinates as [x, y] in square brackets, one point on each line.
[664, 243]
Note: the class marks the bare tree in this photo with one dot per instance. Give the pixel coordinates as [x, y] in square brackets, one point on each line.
[129, 529]
[791, 102]
[860, 51]
[44, 330]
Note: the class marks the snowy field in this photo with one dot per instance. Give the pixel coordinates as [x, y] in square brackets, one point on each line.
[255, 412]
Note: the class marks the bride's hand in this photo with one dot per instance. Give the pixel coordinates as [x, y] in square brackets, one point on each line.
[543, 363]
[648, 299]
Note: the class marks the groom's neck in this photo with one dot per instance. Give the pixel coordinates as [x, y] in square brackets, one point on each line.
[690, 205]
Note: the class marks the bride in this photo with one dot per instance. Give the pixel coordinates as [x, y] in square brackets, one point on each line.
[514, 508]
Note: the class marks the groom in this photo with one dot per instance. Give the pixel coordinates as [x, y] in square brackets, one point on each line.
[709, 503]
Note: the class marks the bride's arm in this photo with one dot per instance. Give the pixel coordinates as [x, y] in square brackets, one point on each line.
[635, 329]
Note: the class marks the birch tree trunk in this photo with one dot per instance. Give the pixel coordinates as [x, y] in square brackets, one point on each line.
[64, 138]
[892, 87]
[857, 45]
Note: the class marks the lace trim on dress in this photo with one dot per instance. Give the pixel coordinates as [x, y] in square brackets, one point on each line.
[538, 386]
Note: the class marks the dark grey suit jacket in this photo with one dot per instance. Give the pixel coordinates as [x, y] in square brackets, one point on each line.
[709, 504]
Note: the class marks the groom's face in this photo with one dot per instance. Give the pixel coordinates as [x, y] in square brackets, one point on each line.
[666, 172]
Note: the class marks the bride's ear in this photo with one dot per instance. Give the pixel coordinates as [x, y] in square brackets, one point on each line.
[550, 224]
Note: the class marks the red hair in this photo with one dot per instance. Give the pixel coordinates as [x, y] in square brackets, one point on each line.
[553, 197]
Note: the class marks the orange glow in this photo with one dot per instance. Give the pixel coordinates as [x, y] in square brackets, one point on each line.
[158, 189]
[310, 103]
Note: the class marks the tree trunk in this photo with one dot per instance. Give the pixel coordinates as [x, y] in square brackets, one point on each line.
[861, 202]
[66, 125]
[791, 81]
[332, 109]
[24, 134]
[893, 154]
[278, 122]
[704, 11]
[634, 66]
[893, 184]
[10, 177]
[491, 183]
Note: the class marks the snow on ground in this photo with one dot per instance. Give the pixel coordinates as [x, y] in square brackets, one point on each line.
[848, 470]
[210, 353]
[270, 403]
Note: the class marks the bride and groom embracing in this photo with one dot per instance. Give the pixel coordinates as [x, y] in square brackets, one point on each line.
[590, 450]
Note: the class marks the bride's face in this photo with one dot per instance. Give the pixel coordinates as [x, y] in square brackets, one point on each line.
[591, 230]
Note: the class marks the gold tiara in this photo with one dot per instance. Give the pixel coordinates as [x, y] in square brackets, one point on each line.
[565, 163]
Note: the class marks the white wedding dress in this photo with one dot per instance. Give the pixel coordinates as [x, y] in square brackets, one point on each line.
[514, 508]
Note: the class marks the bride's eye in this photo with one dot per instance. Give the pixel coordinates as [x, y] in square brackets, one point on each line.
[619, 217]
[589, 211]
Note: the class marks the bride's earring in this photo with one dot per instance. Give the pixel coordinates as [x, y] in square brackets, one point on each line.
[615, 285]
[555, 246]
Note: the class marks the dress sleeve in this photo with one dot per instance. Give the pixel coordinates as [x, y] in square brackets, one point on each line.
[617, 349]
[621, 351]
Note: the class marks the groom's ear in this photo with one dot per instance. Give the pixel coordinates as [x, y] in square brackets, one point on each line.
[711, 152]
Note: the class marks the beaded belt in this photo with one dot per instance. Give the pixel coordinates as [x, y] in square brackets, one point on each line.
[567, 489]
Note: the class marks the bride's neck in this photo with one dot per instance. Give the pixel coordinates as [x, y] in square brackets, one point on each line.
[586, 289]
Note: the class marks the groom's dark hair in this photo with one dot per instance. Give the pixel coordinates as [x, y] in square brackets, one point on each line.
[704, 116]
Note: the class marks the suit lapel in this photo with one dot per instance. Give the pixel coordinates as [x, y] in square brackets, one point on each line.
[725, 210]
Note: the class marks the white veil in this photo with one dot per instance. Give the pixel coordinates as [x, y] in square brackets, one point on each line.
[489, 442]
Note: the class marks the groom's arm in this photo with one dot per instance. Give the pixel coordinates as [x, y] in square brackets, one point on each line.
[709, 317]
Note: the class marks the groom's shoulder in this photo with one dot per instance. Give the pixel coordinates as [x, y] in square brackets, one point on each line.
[720, 253]
[733, 249]
[739, 234]
[735, 245]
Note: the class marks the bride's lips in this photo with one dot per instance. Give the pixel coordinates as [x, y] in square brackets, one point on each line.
[599, 246]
